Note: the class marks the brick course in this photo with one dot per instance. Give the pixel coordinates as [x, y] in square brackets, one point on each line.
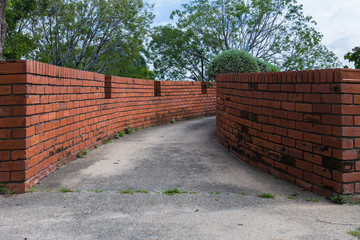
[48, 114]
[302, 126]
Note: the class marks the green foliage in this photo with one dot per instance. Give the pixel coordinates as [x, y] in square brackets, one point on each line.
[232, 61]
[33, 189]
[267, 195]
[173, 191]
[129, 66]
[119, 134]
[354, 56]
[315, 200]
[215, 192]
[129, 191]
[338, 199]
[97, 191]
[82, 154]
[266, 67]
[355, 233]
[5, 190]
[173, 120]
[128, 129]
[19, 42]
[178, 54]
[142, 191]
[275, 31]
[65, 190]
[101, 36]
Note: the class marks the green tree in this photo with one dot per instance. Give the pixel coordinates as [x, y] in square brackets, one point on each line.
[354, 56]
[3, 26]
[88, 34]
[178, 54]
[275, 31]
[129, 66]
[19, 42]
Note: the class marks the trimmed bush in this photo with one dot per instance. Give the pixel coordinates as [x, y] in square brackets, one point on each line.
[232, 61]
[266, 67]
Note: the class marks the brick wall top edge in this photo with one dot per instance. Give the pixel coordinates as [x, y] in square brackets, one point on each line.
[308, 76]
[182, 83]
[13, 67]
[44, 69]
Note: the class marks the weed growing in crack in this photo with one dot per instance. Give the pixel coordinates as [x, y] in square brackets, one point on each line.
[65, 190]
[267, 195]
[142, 191]
[5, 190]
[128, 129]
[174, 191]
[96, 191]
[129, 191]
[33, 189]
[355, 233]
[81, 155]
[338, 199]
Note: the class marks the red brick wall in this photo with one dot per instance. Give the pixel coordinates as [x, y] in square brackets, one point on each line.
[48, 114]
[303, 127]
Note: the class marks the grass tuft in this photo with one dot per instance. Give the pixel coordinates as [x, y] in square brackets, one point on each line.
[65, 190]
[267, 195]
[355, 233]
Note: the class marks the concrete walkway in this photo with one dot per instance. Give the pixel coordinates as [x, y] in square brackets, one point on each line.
[220, 199]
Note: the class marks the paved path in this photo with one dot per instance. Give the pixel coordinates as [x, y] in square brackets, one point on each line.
[220, 199]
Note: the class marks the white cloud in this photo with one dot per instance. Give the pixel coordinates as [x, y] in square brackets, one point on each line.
[163, 9]
[337, 21]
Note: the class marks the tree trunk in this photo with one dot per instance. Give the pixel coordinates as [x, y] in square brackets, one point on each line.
[3, 26]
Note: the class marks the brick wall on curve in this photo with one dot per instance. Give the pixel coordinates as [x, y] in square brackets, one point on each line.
[303, 127]
[48, 114]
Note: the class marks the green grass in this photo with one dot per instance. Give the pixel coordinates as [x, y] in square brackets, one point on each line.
[293, 197]
[174, 191]
[315, 200]
[338, 199]
[119, 134]
[355, 233]
[127, 191]
[267, 195]
[128, 129]
[81, 155]
[153, 125]
[173, 120]
[65, 190]
[5, 190]
[108, 141]
[215, 192]
[242, 193]
[34, 189]
[96, 191]
[142, 191]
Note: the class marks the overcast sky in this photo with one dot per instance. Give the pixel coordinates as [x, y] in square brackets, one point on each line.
[337, 20]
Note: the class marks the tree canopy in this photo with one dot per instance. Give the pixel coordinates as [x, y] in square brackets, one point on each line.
[275, 31]
[354, 56]
[109, 36]
[90, 35]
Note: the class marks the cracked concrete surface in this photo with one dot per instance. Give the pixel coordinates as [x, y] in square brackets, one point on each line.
[186, 156]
